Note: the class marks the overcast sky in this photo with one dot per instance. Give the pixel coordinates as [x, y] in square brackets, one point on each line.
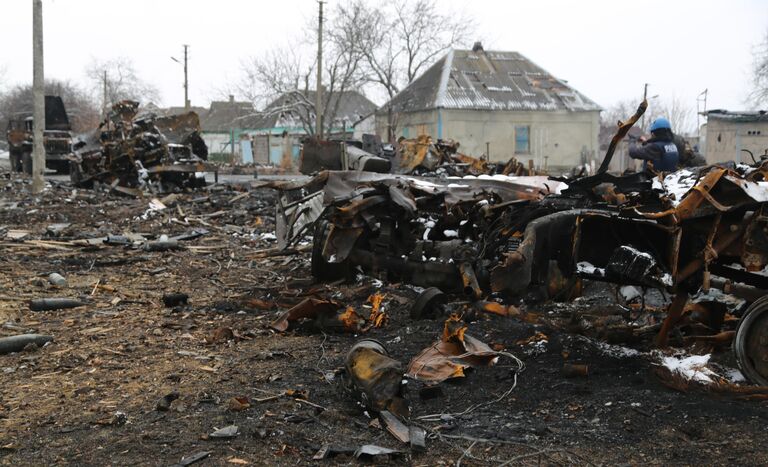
[606, 50]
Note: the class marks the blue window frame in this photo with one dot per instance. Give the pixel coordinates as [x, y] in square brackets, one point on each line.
[522, 145]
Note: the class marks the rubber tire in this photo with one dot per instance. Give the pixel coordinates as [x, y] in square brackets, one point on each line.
[26, 163]
[757, 310]
[15, 161]
[75, 174]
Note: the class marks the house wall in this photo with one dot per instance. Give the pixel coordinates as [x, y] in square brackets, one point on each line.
[365, 126]
[218, 143]
[725, 139]
[558, 140]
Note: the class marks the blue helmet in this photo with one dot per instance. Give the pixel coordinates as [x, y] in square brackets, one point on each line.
[660, 123]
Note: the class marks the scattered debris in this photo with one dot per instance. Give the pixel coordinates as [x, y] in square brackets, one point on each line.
[375, 379]
[164, 404]
[175, 299]
[227, 432]
[18, 343]
[192, 458]
[46, 304]
[448, 357]
[371, 452]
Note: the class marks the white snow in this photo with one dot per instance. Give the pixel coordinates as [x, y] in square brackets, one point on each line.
[269, 236]
[676, 185]
[692, 368]
[585, 267]
[629, 292]
[733, 375]
[755, 190]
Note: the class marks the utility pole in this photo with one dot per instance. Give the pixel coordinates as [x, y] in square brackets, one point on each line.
[186, 81]
[319, 91]
[701, 97]
[105, 98]
[38, 85]
[645, 95]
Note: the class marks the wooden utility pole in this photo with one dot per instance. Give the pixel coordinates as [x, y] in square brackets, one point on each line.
[645, 96]
[186, 81]
[105, 99]
[319, 92]
[38, 86]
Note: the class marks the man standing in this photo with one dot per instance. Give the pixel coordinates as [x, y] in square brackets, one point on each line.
[660, 149]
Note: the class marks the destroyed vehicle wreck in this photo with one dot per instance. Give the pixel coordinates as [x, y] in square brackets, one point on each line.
[500, 237]
[131, 152]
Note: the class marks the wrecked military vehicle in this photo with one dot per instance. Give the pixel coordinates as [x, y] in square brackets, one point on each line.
[367, 155]
[132, 152]
[57, 138]
[501, 237]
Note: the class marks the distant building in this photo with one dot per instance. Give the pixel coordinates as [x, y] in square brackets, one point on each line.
[729, 135]
[499, 104]
[290, 117]
[225, 125]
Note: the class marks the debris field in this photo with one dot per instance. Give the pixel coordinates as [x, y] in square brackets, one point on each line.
[177, 346]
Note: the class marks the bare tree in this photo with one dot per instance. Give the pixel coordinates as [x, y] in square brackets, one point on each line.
[680, 115]
[399, 40]
[122, 82]
[280, 80]
[82, 111]
[3, 73]
[759, 94]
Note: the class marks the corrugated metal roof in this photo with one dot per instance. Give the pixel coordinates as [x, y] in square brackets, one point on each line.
[739, 116]
[488, 80]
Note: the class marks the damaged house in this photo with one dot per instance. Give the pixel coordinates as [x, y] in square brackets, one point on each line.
[226, 126]
[498, 104]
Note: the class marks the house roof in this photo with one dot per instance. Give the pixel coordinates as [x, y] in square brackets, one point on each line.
[739, 116]
[226, 115]
[488, 80]
[352, 106]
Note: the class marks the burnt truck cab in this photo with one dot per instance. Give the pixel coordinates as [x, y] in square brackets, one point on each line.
[57, 138]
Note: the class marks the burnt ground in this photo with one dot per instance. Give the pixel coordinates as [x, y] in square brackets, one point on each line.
[91, 396]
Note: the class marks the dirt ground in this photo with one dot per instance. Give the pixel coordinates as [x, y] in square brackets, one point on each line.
[96, 394]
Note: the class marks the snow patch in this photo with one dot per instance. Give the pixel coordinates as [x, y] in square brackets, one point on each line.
[692, 368]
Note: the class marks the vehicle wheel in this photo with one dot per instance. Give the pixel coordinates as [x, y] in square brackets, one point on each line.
[75, 174]
[61, 167]
[15, 161]
[322, 269]
[751, 342]
[26, 163]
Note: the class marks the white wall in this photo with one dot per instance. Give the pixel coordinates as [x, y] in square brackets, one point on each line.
[725, 139]
[556, 138]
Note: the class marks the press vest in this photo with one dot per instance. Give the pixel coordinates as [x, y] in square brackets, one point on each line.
[669, 157]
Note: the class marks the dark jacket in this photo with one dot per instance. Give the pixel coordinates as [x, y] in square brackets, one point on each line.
[660, 150]
[688, 157]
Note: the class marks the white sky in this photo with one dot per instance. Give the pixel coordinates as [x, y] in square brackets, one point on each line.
[606, 50]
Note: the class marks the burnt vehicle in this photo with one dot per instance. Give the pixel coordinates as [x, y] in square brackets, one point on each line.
[134, 152]
[367, 155]
[504, 237]
[57, 138]
[428, 157]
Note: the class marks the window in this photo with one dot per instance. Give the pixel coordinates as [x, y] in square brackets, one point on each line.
[521, 140]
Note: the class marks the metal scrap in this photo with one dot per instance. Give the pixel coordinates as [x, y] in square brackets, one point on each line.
[451, 355]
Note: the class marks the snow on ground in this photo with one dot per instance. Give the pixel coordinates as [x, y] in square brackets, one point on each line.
[691, 367]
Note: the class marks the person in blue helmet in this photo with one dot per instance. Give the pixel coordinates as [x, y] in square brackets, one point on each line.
[659, 149]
